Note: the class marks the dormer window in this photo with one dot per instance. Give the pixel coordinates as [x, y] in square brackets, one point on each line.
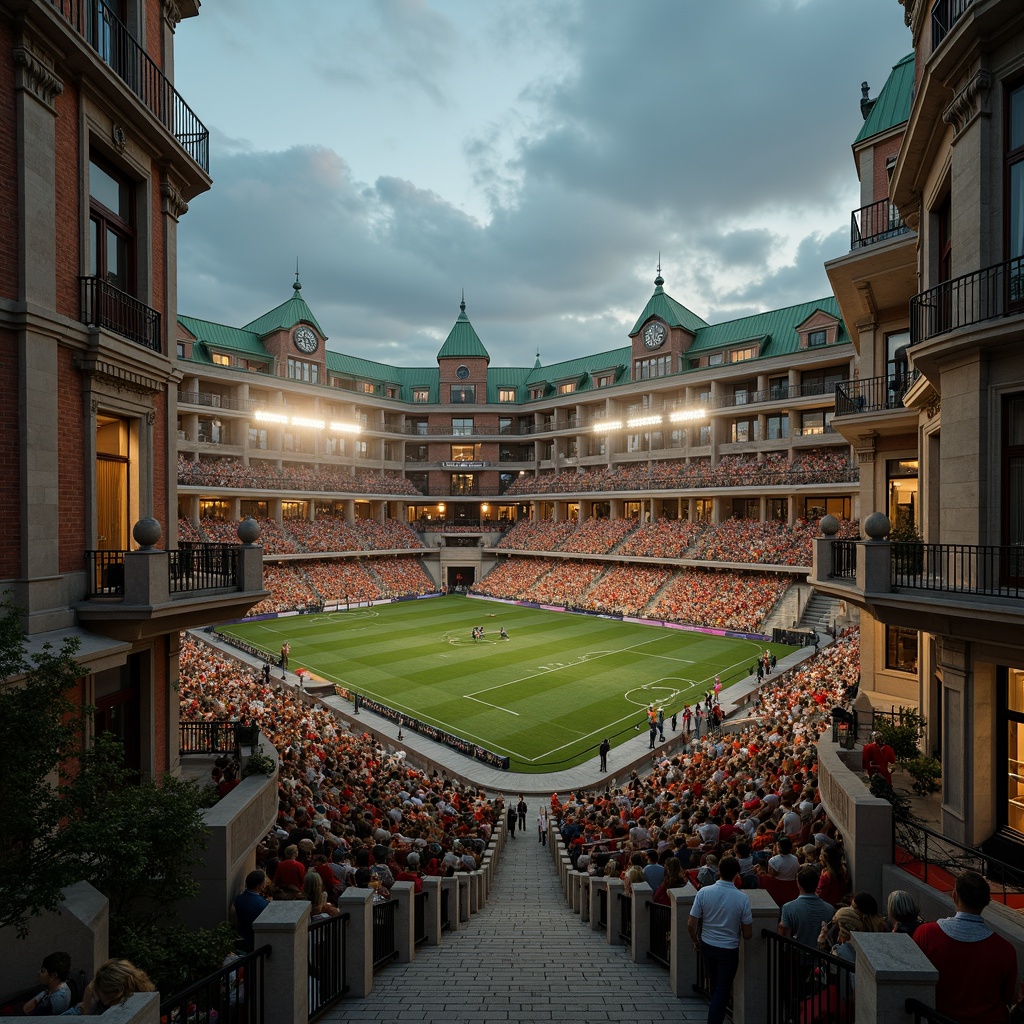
[567, 388]
[817, 339]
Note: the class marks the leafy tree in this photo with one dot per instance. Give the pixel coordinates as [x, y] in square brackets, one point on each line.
[40, 728]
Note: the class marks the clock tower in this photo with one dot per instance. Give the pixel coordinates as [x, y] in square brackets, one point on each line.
[662, 335]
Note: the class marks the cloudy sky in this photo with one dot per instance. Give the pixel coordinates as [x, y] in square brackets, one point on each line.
[537, 153]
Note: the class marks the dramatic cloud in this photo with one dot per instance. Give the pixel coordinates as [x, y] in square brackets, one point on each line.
[539, 157]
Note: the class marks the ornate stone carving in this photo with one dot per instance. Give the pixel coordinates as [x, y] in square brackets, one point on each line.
[969, 103]
[174, 204]
[118, 137]
[151, 417]
[172, 13]
[34, 74]
[120, 378]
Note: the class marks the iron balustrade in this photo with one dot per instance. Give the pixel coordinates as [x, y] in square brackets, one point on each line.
[103, 305]
[625, 917]
[232, 995]
[327, 963]
[446, 917]
[220, 401]
[924, 1014]
[659, 917]
[872, 394]
[989, 570]
[805, 984]
[419, 924]
[385, 934]
[602, 908]
[106, 573]
[96, 22]
[935, 859]
[986, 294]
[844, 560]
[945, 14]
[208, 738]
[875, 223]
[202, 566]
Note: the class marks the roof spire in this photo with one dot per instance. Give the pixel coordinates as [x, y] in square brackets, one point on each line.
[659, 280]
[462, 304]
[298, 284]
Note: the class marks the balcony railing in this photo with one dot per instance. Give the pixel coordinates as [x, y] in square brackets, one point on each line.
[103, 305]
[219, 401]
[98, 25]
[202, 567]
[945, 14]
[872, 394]
[235, 992]
[385, 936]
[986, 570]
[875, 223]
[987, 294]
[327, 960]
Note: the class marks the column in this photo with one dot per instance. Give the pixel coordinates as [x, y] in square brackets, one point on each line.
[284, 926]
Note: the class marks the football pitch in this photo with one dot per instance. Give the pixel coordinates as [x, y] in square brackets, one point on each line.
[545, 697]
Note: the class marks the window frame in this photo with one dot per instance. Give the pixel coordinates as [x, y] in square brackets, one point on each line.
[107, 220]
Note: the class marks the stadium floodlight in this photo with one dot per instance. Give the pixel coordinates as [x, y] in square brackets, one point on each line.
[644, 421]
[270, 417]
[305, 421]
[685, 415]
[345, 428]
[608, 425]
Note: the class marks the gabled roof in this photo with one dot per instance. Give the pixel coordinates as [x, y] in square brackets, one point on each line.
[506, 377]
[663, 306]
[286, 316]
[462, 341]
[217, 336]
[776, 330]
[581, 369]
[892, 107]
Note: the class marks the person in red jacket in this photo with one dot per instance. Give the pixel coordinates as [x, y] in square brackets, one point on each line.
[877, 758]
[977, 968]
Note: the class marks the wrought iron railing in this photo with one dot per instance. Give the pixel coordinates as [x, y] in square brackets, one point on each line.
[233, 994]
[659, 918]
[844, 560]
[446, 917]
[805, 984]
[419, 924]
[991, 570]
[385, 933]
[219, 401]
[105, 573]
[937, 859]
[202, 566]
[875, 223]
[872, 394]
[625, 904]
[945, 14]
[99, 26]
[987, 294]
[924, 1014]
[327, 962]
[103, 305]
[208, 738]
[602, 908]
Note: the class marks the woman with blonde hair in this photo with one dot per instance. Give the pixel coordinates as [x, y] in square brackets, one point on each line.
[313, 890]
[114, 982]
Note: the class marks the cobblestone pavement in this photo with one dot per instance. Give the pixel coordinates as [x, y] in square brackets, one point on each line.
[525, 957]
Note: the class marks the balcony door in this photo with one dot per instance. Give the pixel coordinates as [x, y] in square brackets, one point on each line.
[116, 497]
[1013, 491]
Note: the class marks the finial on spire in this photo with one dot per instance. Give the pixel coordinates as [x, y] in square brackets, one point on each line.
[659, 280]
[462, 304]
[298, 284]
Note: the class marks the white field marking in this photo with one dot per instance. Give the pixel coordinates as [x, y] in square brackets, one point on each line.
[544, 670]
[507, 711]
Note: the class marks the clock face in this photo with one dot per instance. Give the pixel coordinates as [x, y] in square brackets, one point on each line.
[654, 335]
[305, 340]
[462, 372]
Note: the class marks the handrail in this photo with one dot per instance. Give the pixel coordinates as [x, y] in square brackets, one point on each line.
[875, 223]
[328, 962]
[995, 570]
[924, 1014]
[118, 48]
[103, 305]
[945, 14]
[235, 992]
[804, 983]
[873, 394]
[986, 294]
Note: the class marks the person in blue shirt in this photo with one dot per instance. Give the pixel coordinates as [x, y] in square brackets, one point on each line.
[249, 905]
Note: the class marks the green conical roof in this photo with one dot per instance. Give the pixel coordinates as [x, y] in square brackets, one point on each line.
[663, 306]
[286, 316]
[462, 341]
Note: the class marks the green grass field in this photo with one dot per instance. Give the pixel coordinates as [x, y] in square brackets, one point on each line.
[546, 697]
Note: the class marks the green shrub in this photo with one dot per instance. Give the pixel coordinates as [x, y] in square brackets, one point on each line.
[926, 773]
[903, 733]
[172, 955]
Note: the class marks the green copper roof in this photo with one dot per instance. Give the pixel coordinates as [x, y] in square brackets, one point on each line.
[462, 341]
[286, 316]
[499, 377]
[662, 305]
[233, 339]
[776, 330]
[893, 104]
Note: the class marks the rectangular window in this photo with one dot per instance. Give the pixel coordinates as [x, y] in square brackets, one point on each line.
[1013, 488]
[465, 452]
[505, 425]
[111, 227]
[462, 427]
[812, 422]
[778, 510]
[746, 508]
[777, 427]
[901, 649]
[506, 394]
[221, 360]
[392, 391]
[463, 394]
[604, 380]
[416, 453]
[181, 350]
[740, 394]
[745, 430]
[421, 394]
[1014, 175]
[1013, 717]
[716, 359]
[901, 485]
[463, 483]
[537, 392]
[816, 339]
[738, 355]
[368, 388]
[299, 369]
[705, 434]
[567, 388]
[257, 438]
[778, 388]
[647, 369]
[705, 510]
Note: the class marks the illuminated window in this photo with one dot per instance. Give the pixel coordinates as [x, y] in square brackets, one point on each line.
[901, 649]
[506, 394]
[604, 380]
[737, 355]
[463, 394]
[421, 394]
[464, 452]
[567, 389]
[392, 391]
[537, 392]
[220, 360]
[463, 483]
[368, 388]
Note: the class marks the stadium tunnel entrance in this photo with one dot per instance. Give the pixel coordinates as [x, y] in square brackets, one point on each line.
[460, 576]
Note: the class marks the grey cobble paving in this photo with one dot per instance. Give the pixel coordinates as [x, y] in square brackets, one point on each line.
[525, 957]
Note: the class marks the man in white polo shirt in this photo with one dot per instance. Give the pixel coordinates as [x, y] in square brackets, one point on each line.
[719, 916]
